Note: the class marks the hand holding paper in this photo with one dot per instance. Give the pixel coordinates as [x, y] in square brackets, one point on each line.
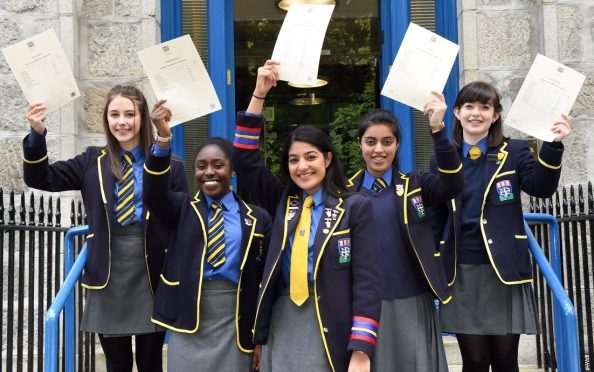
[40, 67]
[422, 65]
[36, 116]
[545, 99]
[299, 43]
[178, 75]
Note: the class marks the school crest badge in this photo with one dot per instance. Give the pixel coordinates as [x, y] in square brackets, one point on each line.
[399, 190]
[417, 202]
[344, 250]
[504, 189]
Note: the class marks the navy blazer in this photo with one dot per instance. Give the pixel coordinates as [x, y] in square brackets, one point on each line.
[177, 304]
[90, 172]
[347, 290]
[510, 169]
[415, 219]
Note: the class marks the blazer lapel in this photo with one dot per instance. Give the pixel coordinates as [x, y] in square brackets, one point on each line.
[329, 220]
[248, 227]
[106, 183]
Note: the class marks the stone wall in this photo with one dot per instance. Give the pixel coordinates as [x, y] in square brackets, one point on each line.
[499, 40]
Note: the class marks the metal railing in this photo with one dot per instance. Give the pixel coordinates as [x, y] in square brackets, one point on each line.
[65, 300]
[565, 321]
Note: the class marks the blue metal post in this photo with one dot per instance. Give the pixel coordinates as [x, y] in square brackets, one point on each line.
[221, 65]
[394, 20]
[171, 27]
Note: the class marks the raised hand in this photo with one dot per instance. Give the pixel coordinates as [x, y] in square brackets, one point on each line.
[436, 109]
[36, 116]
[561, 128]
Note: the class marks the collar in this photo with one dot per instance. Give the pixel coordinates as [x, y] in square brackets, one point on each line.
[482, 144]
[138, 154]
[318, 196]
[368, 178]
[229, 202]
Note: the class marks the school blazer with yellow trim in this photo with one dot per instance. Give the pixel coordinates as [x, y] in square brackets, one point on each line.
[90, 173]
[501, 220]
[177, 303]
[415, 217]
[341, 290]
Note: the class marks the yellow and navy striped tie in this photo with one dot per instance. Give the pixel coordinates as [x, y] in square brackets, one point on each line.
[378, 185]
[215, 251]
[125, 204]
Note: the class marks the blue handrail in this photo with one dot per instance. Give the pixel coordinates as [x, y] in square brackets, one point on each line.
[64, 300]
[565, 322]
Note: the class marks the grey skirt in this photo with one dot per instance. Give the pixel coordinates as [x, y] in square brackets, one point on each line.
[294, 339]
[214, 346]
[124, 307]
[409, 338]
[482, 305]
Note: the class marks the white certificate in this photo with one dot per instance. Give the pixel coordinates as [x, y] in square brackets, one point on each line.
[422, 64]
[549, 90]
[178, 75]
[300, 41]
[42, 71]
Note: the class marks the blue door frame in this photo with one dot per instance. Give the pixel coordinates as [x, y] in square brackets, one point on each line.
[394, 20]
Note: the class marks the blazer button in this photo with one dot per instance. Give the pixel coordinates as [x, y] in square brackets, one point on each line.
[325, 330]
[484, 221]
[490, 241]
[260, 286]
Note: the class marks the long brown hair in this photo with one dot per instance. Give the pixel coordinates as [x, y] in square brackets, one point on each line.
[483, 92]
[146, 131]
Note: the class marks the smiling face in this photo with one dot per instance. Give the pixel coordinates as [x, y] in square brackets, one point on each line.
[307, 166]
[476, 119]
[378, 147]
[213, 171]
[123, 118]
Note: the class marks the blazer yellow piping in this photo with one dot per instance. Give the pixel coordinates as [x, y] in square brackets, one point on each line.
[450, 171]
[418, 189]
[157, 173]
[453, 201]
[89, 236]
[404, 205]
[103, 152]
[437, 254]
[505, 173]
[286, 221]
[521, 236]
[350, 180]
[247, 252]
[258, 235]
[167, 281]
[342, 232]
[485, 240]
[35, 161]
[322, 249]
[554, 167]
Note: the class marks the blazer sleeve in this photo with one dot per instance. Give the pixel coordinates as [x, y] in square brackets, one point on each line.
[446, 180]
[540, 177]
[252, 174]
[367, 277]
[60, 176]
[439, 212]
[178, 176]
[162, 202]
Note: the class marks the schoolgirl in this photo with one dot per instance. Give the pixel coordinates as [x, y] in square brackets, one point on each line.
[482, 235]
[320, 298]
[410, 337]
[126, 246]
[209, 285]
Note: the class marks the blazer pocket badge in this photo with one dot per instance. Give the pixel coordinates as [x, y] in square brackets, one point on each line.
[344, 250]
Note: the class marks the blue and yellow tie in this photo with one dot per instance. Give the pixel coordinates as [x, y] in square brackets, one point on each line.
[215, 251]
[125, 204]
[378, 185]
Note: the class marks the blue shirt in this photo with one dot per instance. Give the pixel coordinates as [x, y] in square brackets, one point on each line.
[368, 178]
[482, 144]
[316, 214]
[137, 165]
[229, 270]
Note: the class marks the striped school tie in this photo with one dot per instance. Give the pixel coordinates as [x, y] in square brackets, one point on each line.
[215, 251]
[378, 185]
[125, 204]
[474, 152]
[298, 289]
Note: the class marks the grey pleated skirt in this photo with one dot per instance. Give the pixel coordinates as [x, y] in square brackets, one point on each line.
[214, 346]
[482, 305]
[294, 339]
[124, 307]
[409, 338]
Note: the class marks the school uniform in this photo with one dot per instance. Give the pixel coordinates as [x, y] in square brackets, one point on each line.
[483, 241]
[210, 309]
[142, 243]
[342, 311]
[410, 337]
